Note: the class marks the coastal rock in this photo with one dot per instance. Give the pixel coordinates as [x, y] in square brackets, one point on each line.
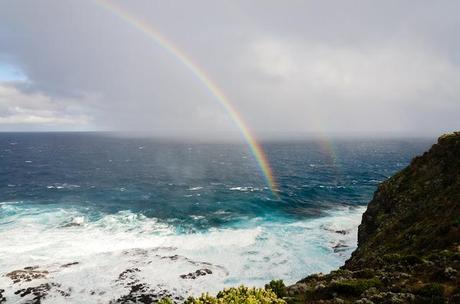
[38, 293]
[2, 298]
[339, 247]
[139, 291]
[408, 241]
[69, 264]
[196, 274]
[27, 274]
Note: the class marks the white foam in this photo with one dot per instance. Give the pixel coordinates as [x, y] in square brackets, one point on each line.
[194, 188]
[245, 189]
[197, 217]
[62, 186]
[106, 247]
[78, 220]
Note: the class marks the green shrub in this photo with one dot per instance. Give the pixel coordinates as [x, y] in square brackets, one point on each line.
[410, 259]
[355, 287]
[240, 295]
[392, 258]
[278, 287]
[365, 273]
[165, 301]
[431, 290]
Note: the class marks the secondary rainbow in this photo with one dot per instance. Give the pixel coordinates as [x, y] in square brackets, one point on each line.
[219, 95]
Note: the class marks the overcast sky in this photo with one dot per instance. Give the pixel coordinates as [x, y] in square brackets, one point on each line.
[291, 68]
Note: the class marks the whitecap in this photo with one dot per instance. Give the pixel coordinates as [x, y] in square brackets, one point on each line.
[245, 189]
[62, 186]
[197, 217]
[194, 188]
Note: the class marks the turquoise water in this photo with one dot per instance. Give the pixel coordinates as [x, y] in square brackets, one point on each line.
[169, 209]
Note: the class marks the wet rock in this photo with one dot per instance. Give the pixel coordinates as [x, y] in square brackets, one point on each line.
[69, 264]
[71, 224]
[40, 292]
[128, 274]
[141, 293]
[27, 274]
[136, 252]
[2, 298]
[339, 247]
[343, 232]
[173, 257]
[196, 274]
[31, 267]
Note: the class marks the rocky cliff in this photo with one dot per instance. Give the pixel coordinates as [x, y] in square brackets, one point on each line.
[408, 241]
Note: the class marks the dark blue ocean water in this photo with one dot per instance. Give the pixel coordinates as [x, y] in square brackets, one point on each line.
[138, 193]
[163, 180]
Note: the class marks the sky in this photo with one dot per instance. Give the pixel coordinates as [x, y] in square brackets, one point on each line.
[289, 68]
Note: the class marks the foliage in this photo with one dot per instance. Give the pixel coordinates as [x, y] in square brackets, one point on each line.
[240, 295]
[431, 290]
[165, 301]
[355, 287]
[278, 287]
[408, 259]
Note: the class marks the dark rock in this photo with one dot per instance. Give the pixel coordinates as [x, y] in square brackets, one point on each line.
[2, 298]
[69, 264]
[140, 292]
[196, 274]
[26, 275]
[127, 274]
[40, 292]
[339, 247]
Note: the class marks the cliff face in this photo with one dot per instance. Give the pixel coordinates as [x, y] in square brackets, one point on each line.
[408, 241]
[417, 211]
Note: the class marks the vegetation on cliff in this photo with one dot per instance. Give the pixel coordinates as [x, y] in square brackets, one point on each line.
[408, 241]
[241, 295]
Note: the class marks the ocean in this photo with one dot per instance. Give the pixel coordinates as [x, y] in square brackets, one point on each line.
[84, 217]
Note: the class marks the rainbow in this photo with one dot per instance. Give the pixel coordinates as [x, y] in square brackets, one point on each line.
[255, 147]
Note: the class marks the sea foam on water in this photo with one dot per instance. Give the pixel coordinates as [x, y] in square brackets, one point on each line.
[99, 251]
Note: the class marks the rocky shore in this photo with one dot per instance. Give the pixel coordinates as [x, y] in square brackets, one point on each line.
[408, 241]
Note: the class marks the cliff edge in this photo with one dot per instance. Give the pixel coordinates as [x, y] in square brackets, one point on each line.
[408, 241]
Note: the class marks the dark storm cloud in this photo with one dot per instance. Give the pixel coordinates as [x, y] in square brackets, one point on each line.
[289, 67]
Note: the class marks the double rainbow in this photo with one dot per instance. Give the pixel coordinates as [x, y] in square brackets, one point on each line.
[255, 147]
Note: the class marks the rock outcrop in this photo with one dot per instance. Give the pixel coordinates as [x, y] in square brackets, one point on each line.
[408, 241]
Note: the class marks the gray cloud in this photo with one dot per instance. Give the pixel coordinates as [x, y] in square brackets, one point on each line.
[22, 111]
[290, 68]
